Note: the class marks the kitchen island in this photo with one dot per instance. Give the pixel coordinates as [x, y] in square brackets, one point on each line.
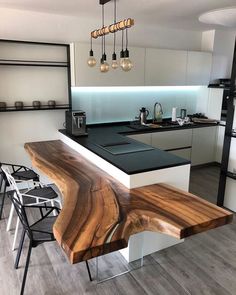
[101, 215]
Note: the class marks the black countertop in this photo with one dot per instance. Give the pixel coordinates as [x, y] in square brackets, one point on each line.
[135, 162]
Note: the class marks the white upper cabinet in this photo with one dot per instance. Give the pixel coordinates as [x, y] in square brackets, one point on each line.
[198, 68]
[82, 75]
[165, 67]
[152, 67]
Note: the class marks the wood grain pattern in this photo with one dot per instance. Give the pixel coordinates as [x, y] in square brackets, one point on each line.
[99, 214]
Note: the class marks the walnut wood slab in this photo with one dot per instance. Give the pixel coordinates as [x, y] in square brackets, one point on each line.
[99, 214]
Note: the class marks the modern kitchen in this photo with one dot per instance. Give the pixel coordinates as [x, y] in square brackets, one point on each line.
[117, 151]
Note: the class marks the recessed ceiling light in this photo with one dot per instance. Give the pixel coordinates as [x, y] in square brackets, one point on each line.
[224, 17]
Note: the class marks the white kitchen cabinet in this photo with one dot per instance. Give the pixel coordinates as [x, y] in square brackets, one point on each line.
[175, 139]
[203, 145]
[165, 67]
[230, 200]
[219, 143]
[232, 156]
[144, 138]
[183, 153]
[152, 67]
[82, 75]
[215, 100]
[198, 67]
[169, 140]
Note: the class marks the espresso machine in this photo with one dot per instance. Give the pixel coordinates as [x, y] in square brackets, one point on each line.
[76, 123]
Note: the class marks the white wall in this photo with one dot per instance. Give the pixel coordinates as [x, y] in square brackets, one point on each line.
[17, 128]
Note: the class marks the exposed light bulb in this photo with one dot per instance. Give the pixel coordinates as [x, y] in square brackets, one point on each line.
[114, 64]
[91, 60]
[104, 67]
[122, 55]
[126, 64]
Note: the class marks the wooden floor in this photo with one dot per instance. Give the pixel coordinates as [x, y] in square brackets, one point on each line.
[204, 182]
[203, 264]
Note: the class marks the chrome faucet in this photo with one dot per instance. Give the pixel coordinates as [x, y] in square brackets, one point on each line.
[157, 112]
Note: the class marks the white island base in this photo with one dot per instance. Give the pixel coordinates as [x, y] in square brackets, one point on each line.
[147, 242]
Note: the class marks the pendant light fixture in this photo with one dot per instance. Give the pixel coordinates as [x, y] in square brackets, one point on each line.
[126, 63]
[122, 26]
[114, 64]
[91, 60]
[104, 66]
[122, 53]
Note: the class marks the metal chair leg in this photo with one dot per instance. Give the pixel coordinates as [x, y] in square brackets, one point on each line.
[3, 199]
[20, 249]
[10, 218]
[88, 269]
[26, 269]
[15, 234]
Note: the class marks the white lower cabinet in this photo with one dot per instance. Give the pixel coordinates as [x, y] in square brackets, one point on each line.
[200, 145]
[219, 143]
[144, 138]
[181, 140]
[175, 139]
[230, 200]
[183, 153]
[204, 145]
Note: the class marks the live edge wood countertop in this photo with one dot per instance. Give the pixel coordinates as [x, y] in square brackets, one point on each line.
[99, 214]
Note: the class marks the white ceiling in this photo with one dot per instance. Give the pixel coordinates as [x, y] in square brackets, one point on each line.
[225, 17]
[178, 14]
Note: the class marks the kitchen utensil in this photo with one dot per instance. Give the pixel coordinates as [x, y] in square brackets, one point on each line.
[3, 105]
[143, 115]
[19, 105]
[36, 104]
[52, 104]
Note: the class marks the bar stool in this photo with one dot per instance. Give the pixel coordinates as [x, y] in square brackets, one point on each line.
[38, 232]
[20, 173]
[39, 194]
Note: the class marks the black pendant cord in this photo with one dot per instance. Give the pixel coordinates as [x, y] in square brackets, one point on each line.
[102, 36]
[91, 43]
[122, 40]
[228, 134]
[91, 46]
[114, 45]
[126, 39]
[103, 24]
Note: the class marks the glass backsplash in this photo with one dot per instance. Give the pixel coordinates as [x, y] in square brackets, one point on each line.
[115, 104]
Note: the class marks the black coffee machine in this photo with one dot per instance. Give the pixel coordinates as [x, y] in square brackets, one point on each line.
[76, 123]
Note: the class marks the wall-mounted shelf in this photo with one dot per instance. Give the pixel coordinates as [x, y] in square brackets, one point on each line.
[231, 175]
[33, 63]
[30, 108]
[231, 135]
[37, 54]
[218, 86]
